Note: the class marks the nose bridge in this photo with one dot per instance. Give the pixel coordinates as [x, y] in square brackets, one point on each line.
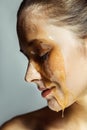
[31, 73]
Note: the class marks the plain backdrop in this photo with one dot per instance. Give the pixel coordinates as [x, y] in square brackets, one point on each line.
[16, 96]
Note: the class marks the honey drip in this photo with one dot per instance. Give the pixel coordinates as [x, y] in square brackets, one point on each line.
[60, 67]
[62, 102]
[62, 113]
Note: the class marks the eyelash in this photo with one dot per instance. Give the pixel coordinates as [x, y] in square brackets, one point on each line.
[44, 57]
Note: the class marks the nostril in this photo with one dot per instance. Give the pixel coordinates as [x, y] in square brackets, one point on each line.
[35, 80]
[32, 77]
[31, 80]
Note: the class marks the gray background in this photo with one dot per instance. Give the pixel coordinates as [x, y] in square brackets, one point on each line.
[16, 96]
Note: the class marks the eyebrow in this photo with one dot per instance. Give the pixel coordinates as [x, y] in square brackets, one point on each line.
[30, 43]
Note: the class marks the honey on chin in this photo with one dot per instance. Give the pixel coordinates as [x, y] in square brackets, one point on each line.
[62, 102]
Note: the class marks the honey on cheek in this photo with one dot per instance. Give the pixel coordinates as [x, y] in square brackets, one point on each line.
[53, 67]
[56, 63]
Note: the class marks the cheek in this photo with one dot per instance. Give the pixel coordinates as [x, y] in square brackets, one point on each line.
[76, 72]
[56, 63]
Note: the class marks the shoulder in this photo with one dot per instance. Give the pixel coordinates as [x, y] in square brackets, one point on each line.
[21, 122]
[13, 124]
[24, 122]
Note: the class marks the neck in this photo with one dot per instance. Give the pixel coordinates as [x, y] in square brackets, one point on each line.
[82, 101]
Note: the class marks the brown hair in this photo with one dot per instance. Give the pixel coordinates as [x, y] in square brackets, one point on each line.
[68, 13]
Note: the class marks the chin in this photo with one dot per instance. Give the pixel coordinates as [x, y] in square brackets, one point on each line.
[53, 105]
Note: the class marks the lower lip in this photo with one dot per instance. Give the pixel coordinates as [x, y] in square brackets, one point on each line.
[46, 92]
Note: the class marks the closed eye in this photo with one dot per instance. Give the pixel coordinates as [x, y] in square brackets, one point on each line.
[44, 57]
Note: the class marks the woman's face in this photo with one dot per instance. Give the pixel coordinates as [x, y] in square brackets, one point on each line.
[57, 62]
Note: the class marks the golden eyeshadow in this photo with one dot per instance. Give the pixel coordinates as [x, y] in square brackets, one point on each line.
[40, 47]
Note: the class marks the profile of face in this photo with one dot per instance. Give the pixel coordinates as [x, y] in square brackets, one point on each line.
[57, 61]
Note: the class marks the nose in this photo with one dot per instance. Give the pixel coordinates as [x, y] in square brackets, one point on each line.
[32, 74]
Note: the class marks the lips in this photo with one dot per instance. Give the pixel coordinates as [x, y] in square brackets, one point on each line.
[46, 92]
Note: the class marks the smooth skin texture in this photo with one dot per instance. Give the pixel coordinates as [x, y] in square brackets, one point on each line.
[47, 71]
[40, 42]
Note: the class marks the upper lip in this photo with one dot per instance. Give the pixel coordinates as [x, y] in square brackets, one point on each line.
[41, 86]
[45, 88]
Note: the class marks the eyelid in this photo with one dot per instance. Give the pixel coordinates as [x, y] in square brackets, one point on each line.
[44, 57]
[39, 46]
[43, 53]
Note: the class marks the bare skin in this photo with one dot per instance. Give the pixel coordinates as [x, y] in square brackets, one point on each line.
[44, 44]
[46, 119]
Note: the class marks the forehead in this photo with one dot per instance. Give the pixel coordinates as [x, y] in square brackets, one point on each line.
[30, 25]
[35, 27]
[35, 30]
[32, 31]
